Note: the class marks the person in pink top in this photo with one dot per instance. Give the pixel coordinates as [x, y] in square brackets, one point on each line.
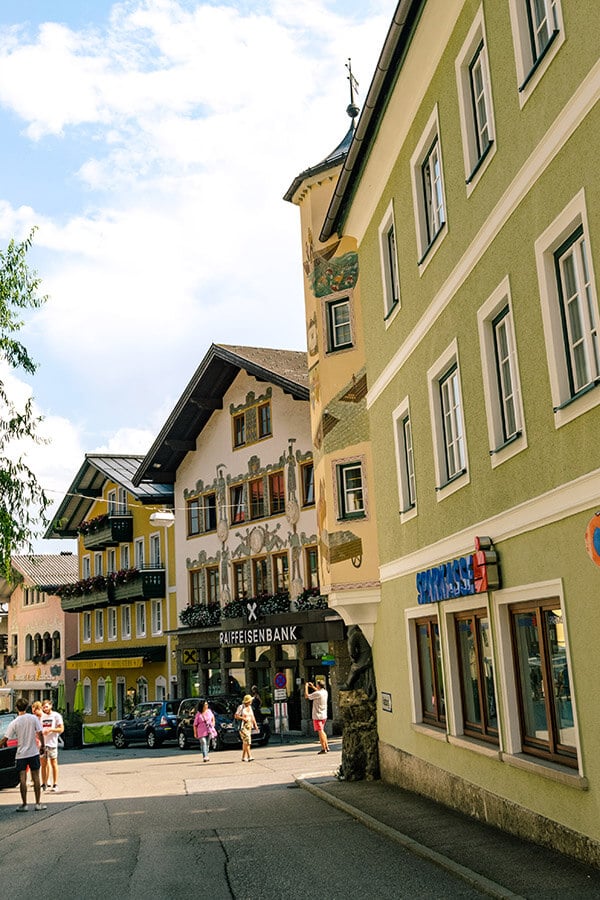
[204, 727]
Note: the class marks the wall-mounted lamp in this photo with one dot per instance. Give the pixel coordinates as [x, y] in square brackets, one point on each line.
[163, 517]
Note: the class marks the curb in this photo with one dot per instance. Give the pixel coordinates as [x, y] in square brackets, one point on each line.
[489, 887]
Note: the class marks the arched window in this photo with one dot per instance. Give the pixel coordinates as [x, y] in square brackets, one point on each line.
[142, 690]
[87, 695]
[101, 693]
[160, 688]
[38, 647]
[56, 645]
[29, 646]
[47, 645]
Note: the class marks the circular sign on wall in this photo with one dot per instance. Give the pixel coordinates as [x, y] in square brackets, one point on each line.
[592, 539]
[280, 680]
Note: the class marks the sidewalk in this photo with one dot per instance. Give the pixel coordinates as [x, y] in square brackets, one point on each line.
[499, 864]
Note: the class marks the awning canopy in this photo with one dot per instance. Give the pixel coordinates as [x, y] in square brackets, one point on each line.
[117, 658]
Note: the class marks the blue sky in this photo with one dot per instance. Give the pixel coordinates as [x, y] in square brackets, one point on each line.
[150, 142]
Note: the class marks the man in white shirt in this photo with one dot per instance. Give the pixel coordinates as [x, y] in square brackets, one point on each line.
[27, 729]
[319, 697]
[52, 723]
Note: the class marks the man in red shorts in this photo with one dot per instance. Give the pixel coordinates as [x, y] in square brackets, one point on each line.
[319, 696]
[27, 729]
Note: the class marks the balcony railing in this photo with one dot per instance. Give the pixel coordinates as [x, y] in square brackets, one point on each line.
[141, 584]
[107, 531]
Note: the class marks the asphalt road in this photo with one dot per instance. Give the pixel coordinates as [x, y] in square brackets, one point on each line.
[140, 823]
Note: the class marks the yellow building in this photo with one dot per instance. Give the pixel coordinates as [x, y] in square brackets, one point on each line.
[125, 597]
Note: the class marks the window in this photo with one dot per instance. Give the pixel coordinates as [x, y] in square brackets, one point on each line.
[139, 553]
[339, 330]
[97, 564]
[142, 689]
[537, 35]
[405, 463]
[350, 491]
[445, 400]
[87, 626]
[475, 101]
[239, 430]
[160, 689]
[476, 672]
[257, 499]
[101, 694]
[86, 569]
[428, 189]
[312, 567]
[121, 501]
[112, 502]
[307, 474]
[570, 312]
[87, 695]
[111, 560]
[29, 647]
[264, 420]
[209, 503]
[236, 500]
[281, 575]
[125, 622]
[112, 623]
[157, 617]
[212, 584]
[276, 493]
[260, 576]
[196, 587]
[500, 371]
[431, 683]
[543, 682]
[125, 563]
[389, 263]
[140, 619]
[56, 642]
[99, 618]
[155, 551]
[193, 516]
[240, 584]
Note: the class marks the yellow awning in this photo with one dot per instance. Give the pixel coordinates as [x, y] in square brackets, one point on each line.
[132, 662]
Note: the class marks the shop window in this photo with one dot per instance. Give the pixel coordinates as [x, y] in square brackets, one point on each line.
[256, 489]
[281, 577]
[276, 493]
[431, 682]
[476, 668]
[307, 474]
[543, 682]
[237, 506]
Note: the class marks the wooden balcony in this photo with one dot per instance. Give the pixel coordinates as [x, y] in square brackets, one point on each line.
[114, 530]
[89, 600]
[143, 585]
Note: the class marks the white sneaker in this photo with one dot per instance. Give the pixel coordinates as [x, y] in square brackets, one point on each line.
[22, 808]
[40, 806]
[54, 788]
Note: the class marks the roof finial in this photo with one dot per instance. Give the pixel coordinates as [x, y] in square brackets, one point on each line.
[352, 109]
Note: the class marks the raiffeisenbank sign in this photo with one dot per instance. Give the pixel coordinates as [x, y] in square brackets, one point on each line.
[476, 573]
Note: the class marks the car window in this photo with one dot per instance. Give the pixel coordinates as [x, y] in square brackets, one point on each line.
[4, 723]
[172, 708]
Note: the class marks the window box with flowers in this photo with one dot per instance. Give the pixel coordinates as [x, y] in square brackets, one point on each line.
[85, 594]
[106, 531]
[138, 584]
[201, 615]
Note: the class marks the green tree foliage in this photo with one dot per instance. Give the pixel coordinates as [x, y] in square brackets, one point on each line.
[22, 500]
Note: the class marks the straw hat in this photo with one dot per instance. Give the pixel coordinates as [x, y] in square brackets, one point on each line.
[247, 699]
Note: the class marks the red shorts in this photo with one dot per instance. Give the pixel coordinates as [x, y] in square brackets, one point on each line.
[319, 724]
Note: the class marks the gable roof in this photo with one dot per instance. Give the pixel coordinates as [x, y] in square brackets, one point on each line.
[88, 485]
[395, 47]
[287, 369]
[46, 571]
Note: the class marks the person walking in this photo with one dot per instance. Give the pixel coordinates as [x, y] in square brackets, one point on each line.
[26, 728]
[319, 697]
[245, 715]
[53, 725]
[256, 704]
[204, 727]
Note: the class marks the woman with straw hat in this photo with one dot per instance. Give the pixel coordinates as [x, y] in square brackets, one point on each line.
[247, 723]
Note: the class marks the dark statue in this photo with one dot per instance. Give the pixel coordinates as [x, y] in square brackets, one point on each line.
[361, 675]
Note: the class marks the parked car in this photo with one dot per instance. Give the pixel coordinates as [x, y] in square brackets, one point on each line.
[151, 723]
[9, 777]
[224, 707]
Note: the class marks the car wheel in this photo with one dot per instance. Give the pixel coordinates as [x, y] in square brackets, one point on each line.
[182, 741]
[151, 740]
[119, 740]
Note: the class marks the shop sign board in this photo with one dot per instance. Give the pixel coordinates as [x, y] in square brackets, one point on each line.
[476, 573]
[240, 637]
[280, 694]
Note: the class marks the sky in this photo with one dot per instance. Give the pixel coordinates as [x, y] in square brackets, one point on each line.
[150, 143]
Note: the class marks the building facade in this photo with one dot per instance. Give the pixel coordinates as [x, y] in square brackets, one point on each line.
[238, 451]
[124, 598]
[39, 636]
[471, 182]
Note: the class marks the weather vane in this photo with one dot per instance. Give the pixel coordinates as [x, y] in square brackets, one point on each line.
[352, 109]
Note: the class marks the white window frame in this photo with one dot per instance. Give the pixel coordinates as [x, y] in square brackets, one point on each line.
[156, 617]
[507, 679]
[86, 567]
[160, 688]
[389, 266]
[435, 375]
[111, 499]
[333, 346]
[101, 696]
[98, 563]
[122, 505]
[407, 495]
[87, 695]
[141, 624]
[142, 689]
[155, 550]
[476, 160]
[111, 625]
[125, 622]
[566, 406]
[500, 450]
[99, 625]
[139, 553]
[427, 246]
[124, 556]
[343, 491]
[111, 560]
[86, 626]
[530, 70]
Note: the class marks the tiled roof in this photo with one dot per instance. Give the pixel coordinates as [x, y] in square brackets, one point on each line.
[289, 364]
[48, 570]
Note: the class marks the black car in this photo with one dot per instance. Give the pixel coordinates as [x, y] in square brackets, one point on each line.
[223, 707]
[9, 777]
[150, 723]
